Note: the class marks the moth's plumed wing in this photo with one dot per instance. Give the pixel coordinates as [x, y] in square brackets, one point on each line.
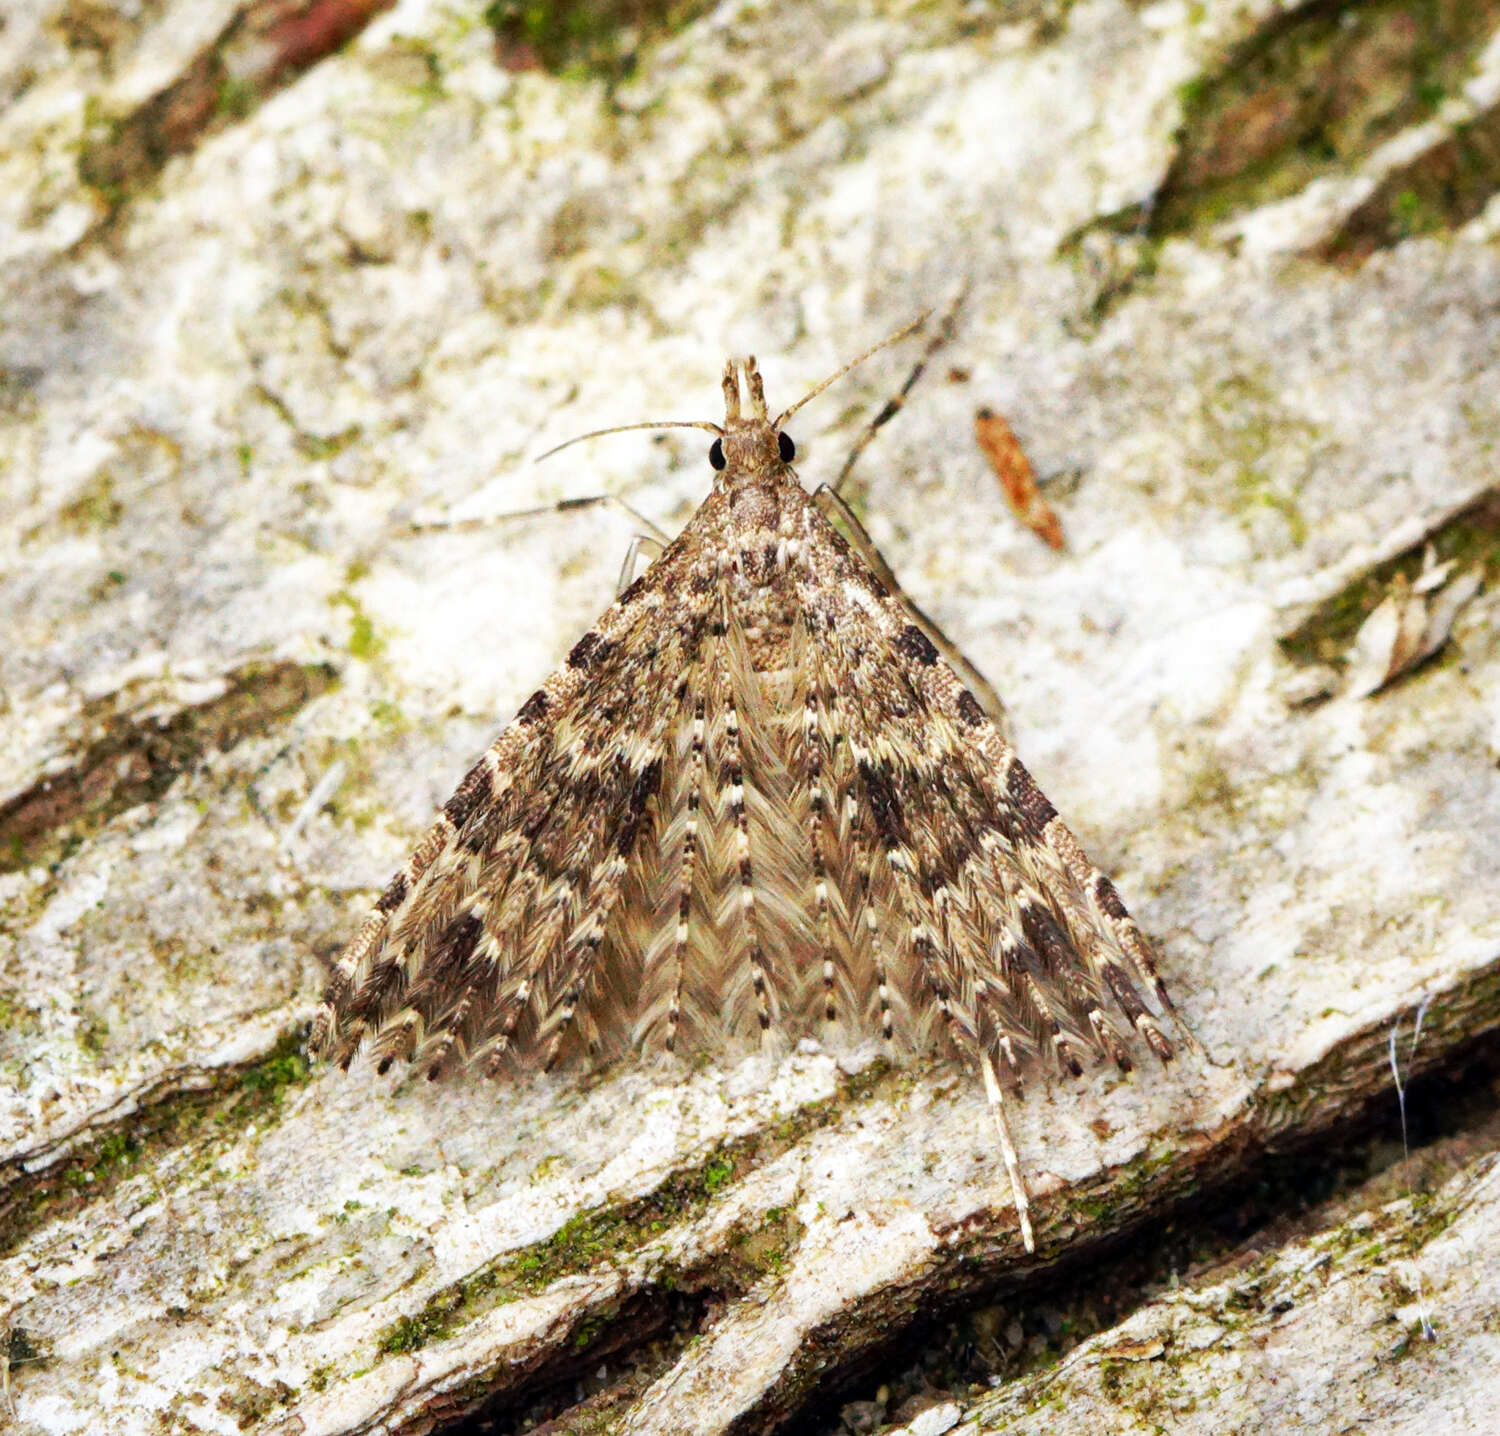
[754, 802]
[992, 913]
[489, 938]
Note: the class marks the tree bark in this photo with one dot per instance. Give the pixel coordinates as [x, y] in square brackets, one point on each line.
[278, 281]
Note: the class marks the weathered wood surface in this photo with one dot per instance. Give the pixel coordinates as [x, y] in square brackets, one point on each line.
[240, 349]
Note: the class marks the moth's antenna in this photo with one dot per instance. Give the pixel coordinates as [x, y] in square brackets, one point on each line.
[622, 428]
[704, 424]
[901, 333]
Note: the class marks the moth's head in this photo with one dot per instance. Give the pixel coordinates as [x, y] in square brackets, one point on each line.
[749, 445]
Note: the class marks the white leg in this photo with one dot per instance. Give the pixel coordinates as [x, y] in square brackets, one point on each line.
[1008, 1151]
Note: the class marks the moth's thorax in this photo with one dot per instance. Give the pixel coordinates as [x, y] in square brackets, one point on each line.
[764, 520]
[766, 610]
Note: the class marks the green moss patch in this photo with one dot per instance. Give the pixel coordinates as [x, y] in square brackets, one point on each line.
[1315, 90]
[168, 1117]
[1439, 189]
[582, 37]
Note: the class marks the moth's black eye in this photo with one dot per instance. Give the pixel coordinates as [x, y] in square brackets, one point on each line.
[716, 454]
[787, 447]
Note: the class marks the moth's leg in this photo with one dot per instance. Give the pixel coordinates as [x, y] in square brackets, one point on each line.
[838, 513]
[942, 334]
[638, 543]
[614, 501]
[1008, 1151]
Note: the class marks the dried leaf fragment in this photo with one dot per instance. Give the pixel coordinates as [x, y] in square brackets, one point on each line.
[1410, 624]
[1017, 478]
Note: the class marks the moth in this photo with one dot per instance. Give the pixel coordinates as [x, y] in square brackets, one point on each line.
[755, 803]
